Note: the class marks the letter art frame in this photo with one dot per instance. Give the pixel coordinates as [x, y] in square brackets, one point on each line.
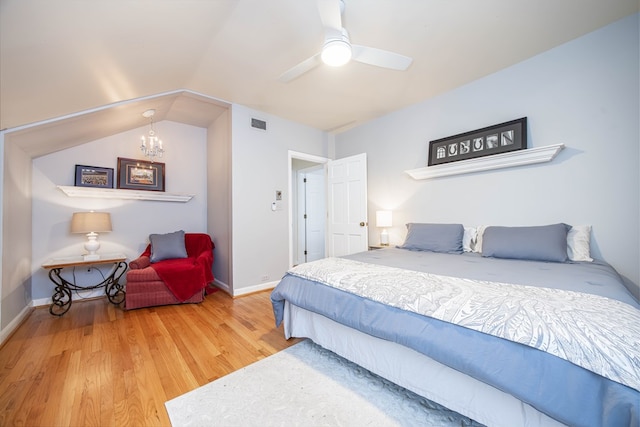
[496, 139]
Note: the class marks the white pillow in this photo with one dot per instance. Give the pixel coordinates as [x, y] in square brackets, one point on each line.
[579, 243]
[469, 239]
[479, 233]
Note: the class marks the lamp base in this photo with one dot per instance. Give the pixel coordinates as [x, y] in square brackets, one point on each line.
[92, 245]
[384, 238]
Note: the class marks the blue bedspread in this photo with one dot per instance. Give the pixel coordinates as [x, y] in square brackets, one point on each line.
[564, 391]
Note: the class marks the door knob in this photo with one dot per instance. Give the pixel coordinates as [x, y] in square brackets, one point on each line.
[362, 224]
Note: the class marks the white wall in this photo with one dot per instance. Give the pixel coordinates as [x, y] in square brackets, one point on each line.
[584, 94]
[260, 167]
[219, 197]
[16, 235]
[133, 220]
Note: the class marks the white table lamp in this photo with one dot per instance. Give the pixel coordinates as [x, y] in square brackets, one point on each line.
[384, 219]
[91, 223]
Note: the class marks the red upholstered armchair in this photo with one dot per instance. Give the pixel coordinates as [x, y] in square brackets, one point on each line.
[169, 273]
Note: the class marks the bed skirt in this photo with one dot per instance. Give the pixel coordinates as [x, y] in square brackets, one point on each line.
[415, 371]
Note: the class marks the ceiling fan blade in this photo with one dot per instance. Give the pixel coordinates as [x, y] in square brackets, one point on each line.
[330, 15]
[298, 70]
[380, 58]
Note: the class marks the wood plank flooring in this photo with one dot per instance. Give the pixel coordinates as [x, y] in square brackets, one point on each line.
[101, 366]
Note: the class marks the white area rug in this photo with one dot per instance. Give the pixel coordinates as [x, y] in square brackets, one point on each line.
[306, 385]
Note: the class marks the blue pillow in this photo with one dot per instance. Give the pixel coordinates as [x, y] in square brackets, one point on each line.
[167, 246]
[538, 243]
[445, 238]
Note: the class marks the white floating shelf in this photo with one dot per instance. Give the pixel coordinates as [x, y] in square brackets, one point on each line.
[497, 161]
[113, 193]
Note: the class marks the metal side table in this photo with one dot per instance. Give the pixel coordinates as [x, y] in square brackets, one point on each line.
[61, 299]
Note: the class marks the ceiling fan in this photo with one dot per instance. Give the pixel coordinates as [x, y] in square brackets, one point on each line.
[338, 50]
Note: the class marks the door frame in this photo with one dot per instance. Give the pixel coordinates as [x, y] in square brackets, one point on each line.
[291, 155]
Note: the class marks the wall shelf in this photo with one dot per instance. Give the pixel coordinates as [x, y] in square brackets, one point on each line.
[113, 193]
[498, 161]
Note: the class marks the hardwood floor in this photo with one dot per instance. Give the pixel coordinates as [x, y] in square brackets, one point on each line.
[101, 366]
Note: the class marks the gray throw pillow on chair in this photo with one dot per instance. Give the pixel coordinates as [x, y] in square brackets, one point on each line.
[167, 246]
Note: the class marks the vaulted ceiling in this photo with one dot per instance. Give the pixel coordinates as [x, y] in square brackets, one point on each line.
[61, 57]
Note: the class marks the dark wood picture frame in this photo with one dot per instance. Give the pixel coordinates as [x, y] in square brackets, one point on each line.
[496, 139]
[140, 175]
[93, 176]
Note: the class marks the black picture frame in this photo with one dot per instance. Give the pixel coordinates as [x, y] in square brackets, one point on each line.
[136, 174]
[496, 139]
[93, 176]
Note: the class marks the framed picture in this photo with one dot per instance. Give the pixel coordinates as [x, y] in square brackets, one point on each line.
[94, 176]
[509, 136]
[140, 175]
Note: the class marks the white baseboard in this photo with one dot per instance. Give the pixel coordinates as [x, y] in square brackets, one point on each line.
[222, 286]
[13, 325]
[246, 290]
[95, 293]
[255, 288]
[41, 302]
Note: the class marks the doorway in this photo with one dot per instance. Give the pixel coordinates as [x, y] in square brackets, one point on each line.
[342, 225]
[307, 207]
[310, 214]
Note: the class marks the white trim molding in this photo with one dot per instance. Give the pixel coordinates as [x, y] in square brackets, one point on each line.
[498, 161]
[114, 193]
[255, 288]
[8, 330]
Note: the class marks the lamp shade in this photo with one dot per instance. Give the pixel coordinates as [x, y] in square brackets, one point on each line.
[384, 218]
[91, 222]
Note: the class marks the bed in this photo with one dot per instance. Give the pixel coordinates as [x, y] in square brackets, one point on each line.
[510, 326]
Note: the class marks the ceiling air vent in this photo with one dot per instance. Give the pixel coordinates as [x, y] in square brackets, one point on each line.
[258, 124]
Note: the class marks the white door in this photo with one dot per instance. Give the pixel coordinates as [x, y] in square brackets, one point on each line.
[347, 205]
[311, 214]
[299, 161]
[300, 212]
[316, 214]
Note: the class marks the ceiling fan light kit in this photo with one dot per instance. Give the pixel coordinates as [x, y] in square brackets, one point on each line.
[338, 50]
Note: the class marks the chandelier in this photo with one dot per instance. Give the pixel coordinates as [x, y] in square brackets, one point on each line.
[151, 145]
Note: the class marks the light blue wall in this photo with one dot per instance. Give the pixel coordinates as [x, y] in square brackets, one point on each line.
[260, 166]
[584, 94]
